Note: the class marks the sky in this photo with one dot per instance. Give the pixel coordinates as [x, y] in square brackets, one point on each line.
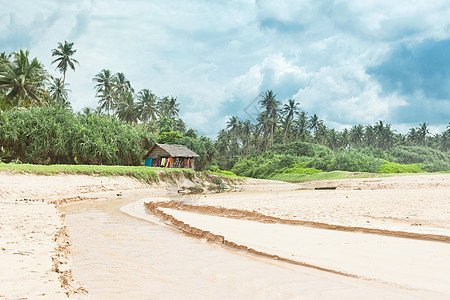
[349, 62]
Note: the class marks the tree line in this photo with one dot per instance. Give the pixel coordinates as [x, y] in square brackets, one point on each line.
[279, 124]
[25, 83]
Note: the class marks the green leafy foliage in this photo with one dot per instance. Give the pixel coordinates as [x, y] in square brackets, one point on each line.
[172, 137]
[354, 161]
[391, 167]
[217, 171]
[50, 135]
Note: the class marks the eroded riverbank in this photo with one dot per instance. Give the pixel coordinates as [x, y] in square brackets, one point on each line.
[119, 256]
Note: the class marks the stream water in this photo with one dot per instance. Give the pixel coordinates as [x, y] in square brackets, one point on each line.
[119, 256]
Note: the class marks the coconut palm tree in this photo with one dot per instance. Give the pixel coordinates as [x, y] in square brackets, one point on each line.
[422, 132]
[121, 86]
[301, 125]
[59, 92]
[64, 58]
[147, 106]
[127, 110]
[313, 123]
[179, 126]
[246, 132]
[173, 107]
[289, 110]
[22, 79]
[332, 139]
[168, 107]
[270, 114]
[104, 89]
[356, 135]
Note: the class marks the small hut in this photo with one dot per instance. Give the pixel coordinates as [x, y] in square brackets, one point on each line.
[170, 156]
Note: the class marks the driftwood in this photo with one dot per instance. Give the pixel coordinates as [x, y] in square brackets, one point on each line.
[326, 188]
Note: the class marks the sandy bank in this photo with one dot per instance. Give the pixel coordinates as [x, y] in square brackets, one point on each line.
[264, 218]
[35, 253]
[417, 204]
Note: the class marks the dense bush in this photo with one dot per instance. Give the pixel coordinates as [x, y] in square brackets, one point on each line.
[431, 160]
[298, 169]
[264, 165]
[302, 149]
[355, 161]
[391, 167]
[50, 135]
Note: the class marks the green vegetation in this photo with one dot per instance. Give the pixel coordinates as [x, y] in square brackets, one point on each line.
[37, 126]
[296, 177]
[390, 167]
[142, 173]
[285, 143]
[215, 170]
[56, 136]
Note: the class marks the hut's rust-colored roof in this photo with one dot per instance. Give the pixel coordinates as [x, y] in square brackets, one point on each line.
[173, 150]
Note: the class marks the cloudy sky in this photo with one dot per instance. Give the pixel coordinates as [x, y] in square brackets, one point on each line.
[347, 61]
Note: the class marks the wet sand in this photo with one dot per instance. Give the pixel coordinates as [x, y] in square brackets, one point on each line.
[35, 249]
[122, 257]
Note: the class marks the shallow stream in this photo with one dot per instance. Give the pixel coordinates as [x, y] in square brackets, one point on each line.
[119, 256]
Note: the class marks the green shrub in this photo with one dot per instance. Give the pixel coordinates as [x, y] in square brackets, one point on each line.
[391, 167]
[354, 161]
[50, 135]
[301, 149]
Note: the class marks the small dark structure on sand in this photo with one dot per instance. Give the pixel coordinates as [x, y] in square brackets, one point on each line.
[170, 156]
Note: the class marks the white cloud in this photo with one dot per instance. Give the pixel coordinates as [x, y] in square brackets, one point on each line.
[217, 56]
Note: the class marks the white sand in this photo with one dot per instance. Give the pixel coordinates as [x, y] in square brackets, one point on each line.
[35, 258]
[404, 203]
[407, 204]
[413, 264]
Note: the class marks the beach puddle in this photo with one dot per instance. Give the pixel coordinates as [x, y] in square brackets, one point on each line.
[119, 256]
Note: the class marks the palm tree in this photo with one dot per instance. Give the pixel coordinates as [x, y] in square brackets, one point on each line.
[412, 136]
[104, 89]
[369, 134]
[127, 110]
[270, 113]
[147, 106]
[58, 91]
[289, 110]
[233, 124]
[357, 134]
[179, 126]
[173, 107]
[313, 123]
[387, 136]
[121, 86]
[422, 132]
[332, 139]
[234, 128]
[343, 138]
[168, 107]
[379, 131]
[246, 132]
[64, 58]
[301, 125]
[22, 79]
[321, 132]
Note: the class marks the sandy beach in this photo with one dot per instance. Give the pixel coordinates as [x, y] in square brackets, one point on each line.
[330, 231]
[35, 249]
